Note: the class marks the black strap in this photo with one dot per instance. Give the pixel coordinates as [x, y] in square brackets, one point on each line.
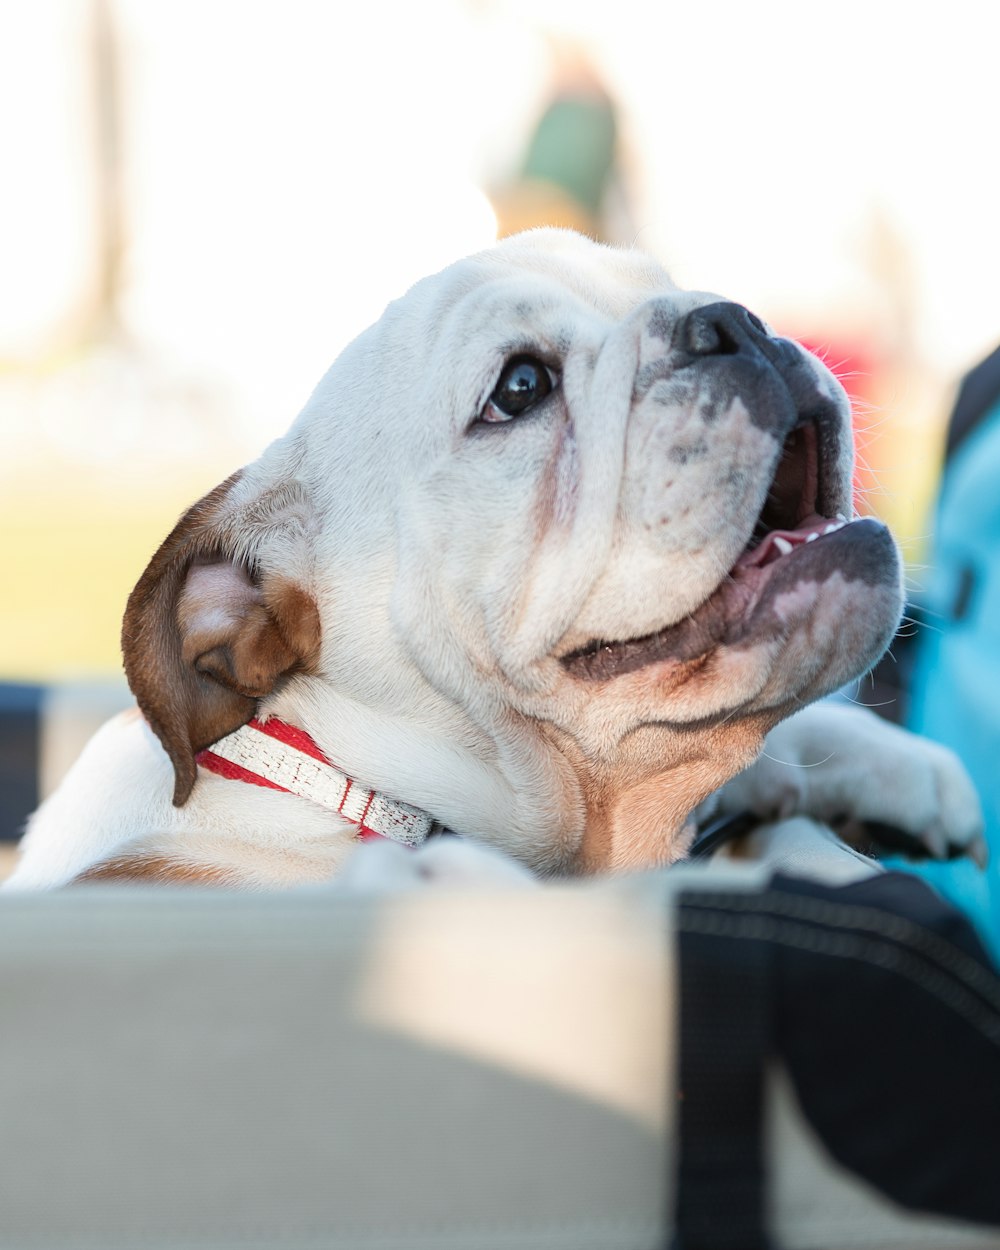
[724, 1045]
[720, 831]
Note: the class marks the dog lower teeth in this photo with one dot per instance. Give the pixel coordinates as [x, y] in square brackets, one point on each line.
[775, 544]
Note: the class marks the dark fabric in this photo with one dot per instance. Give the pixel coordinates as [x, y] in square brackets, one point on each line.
[20, 710]
[884, 1010]
[724, 1021]
[899, 1005]
[979, 391]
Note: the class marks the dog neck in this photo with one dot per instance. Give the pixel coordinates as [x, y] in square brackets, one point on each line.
[278, 756]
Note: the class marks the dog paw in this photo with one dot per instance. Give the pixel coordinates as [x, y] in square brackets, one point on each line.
[383, 867]
[874, 781]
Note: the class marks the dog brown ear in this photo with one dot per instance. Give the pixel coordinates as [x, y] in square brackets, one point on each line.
[207, 634]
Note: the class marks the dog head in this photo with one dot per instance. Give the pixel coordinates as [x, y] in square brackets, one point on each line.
[551, 517]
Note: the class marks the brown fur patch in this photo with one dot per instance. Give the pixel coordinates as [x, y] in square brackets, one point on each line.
[639, 795]
[296, 617]
[152, 650]
[152, 870]
[199, 658]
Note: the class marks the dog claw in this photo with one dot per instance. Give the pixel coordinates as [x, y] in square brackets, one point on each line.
[935, 841]
[978, 851]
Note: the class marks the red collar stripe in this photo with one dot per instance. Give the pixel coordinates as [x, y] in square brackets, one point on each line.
[280, 756]
[234, 772]
[290, 735]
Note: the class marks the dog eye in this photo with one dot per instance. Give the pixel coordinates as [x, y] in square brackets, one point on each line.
[525, 382]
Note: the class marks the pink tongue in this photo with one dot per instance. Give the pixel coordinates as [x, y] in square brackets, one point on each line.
[767, 549]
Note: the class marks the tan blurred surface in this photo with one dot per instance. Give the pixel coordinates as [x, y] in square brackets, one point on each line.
[8, 854]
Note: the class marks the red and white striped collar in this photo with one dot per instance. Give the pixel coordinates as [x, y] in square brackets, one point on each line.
[279, 756]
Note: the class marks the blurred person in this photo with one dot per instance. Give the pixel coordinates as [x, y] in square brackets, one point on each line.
[570, 170]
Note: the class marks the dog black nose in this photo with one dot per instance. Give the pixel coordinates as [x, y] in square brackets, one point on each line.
[722, 329]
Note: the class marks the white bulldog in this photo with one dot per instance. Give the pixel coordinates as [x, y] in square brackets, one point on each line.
[550, 550]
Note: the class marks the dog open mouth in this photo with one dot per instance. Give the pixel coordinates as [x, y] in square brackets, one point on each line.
[792, 515]
[800, 535]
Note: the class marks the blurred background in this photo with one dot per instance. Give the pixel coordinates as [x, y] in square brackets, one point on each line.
[203, 201]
